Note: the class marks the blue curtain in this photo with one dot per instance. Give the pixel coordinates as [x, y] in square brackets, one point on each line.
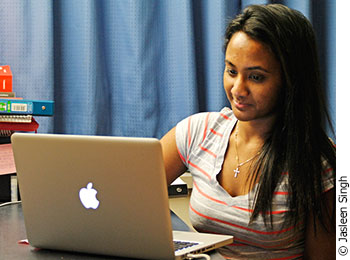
[131, 67]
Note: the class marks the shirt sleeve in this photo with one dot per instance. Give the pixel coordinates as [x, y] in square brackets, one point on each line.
[328, 176]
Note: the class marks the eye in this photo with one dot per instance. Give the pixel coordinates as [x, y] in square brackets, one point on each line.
[231, 72]
[257, 77]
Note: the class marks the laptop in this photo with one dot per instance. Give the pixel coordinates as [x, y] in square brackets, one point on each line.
[100, 195]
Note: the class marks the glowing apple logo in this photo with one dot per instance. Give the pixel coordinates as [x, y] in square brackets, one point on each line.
[88, 197]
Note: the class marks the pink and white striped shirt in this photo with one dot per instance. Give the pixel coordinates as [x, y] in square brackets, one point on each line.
[202, 140]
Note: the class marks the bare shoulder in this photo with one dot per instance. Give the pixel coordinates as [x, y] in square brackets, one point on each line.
[174, 166]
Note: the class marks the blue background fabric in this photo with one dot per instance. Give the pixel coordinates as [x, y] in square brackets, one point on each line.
[132, 67]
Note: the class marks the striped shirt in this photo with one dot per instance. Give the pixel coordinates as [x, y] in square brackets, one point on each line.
[202, 140]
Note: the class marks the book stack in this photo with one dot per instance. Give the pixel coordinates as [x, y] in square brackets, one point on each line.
[16, 114]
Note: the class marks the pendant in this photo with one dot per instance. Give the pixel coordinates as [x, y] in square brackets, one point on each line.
[236, 172]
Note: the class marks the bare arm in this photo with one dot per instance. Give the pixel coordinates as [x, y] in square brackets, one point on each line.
[174, 166]
[321, 246]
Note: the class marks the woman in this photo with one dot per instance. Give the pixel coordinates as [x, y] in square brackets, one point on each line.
[263, 171]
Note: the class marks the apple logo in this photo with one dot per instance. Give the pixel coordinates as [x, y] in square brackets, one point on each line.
[88, 197]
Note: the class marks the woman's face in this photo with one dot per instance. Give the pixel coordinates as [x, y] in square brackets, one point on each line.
[252, 78]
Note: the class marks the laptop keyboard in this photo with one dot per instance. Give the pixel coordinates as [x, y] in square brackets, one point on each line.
[178, 245]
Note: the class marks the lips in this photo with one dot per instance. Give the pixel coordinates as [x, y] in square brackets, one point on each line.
[240, 105]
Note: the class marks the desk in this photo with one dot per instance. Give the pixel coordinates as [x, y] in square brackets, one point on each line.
[12, 230]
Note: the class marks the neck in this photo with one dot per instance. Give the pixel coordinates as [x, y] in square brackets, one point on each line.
[254, 131]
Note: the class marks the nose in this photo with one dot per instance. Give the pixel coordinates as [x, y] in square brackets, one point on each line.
[239, 89]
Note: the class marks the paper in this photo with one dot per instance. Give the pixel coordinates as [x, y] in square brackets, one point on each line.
[178, 181]
[7, 162]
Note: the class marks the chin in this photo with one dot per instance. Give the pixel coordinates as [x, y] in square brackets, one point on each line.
[246, 116]
[244, 119]
[242, 115]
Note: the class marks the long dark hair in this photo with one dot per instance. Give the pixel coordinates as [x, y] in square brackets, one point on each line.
[297, 143]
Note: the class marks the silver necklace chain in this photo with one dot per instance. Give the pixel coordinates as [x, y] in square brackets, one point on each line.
[237, 171]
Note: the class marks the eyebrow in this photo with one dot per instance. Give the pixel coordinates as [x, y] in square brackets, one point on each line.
[249, 68]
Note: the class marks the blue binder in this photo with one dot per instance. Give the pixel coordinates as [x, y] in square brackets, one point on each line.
[28, 107]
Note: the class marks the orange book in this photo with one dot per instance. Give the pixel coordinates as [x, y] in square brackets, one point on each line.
[5, 78]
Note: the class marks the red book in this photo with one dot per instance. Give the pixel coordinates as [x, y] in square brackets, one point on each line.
[23, 127]
[5, 78]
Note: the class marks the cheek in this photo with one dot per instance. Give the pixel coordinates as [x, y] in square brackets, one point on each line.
[267, 100]
[228, 83]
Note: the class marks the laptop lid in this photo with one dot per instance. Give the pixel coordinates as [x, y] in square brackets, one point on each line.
[95, 194]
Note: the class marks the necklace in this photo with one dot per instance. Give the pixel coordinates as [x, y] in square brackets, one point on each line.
[237, 171]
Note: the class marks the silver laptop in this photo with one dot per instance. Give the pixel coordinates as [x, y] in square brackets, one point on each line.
[100, 195]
